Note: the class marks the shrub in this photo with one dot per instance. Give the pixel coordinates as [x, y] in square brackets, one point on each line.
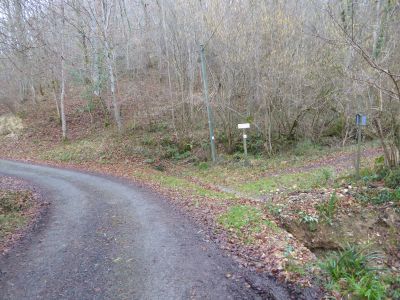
[170, 152]
[381, 171]
[237, 156]
[384, 196]
[255, 143]
[368, 175]
[392, 180]
[305, 147]
[335, 129]
[203, 166]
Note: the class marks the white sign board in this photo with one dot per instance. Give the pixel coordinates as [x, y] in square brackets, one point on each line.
[244, 126]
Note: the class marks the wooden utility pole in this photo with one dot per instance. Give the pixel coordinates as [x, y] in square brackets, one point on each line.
[62, 94]
[209, 111]
[358, 151]
[361, 121]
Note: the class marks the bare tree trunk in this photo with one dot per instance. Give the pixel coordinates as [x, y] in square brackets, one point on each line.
[116, 107]
[56, 98]
[166, 50]
[21, 45]
[268, 124]
[106, 12]
[377, 30]
[386, 151]
[33, 93]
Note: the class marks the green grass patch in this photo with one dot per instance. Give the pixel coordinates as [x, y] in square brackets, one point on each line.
[240, 217]
[296, 181]
[12, 206]
[184, 185]
[294, 267]
[79, 151]
[230, 171]
[10, 222]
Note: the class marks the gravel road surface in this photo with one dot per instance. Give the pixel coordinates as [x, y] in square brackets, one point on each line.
[107, 239]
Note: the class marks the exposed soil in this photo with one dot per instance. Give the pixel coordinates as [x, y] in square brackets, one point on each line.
[352, 223]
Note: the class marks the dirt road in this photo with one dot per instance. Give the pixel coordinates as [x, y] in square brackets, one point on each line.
[107, 239]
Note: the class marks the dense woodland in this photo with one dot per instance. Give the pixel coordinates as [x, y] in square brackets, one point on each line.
[294, 69]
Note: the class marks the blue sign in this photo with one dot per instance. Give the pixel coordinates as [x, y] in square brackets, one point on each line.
[361, 120]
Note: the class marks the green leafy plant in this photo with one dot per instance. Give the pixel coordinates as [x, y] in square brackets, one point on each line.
[368, 175]
[310, 220]
[322, 177]
[327, 209]
[352, 272]
[326, 174]
[386, 196]
[273, 209]
[367, 286]
[379, 197]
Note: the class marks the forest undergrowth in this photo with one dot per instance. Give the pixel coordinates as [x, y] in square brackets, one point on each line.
[297, 215]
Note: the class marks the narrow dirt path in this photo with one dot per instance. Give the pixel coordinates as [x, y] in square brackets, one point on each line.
[105, 239]
[339, 162]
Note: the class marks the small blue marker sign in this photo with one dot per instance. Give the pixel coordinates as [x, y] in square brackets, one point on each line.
[361, 120]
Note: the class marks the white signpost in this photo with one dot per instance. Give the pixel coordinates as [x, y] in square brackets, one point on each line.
[244, 126]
